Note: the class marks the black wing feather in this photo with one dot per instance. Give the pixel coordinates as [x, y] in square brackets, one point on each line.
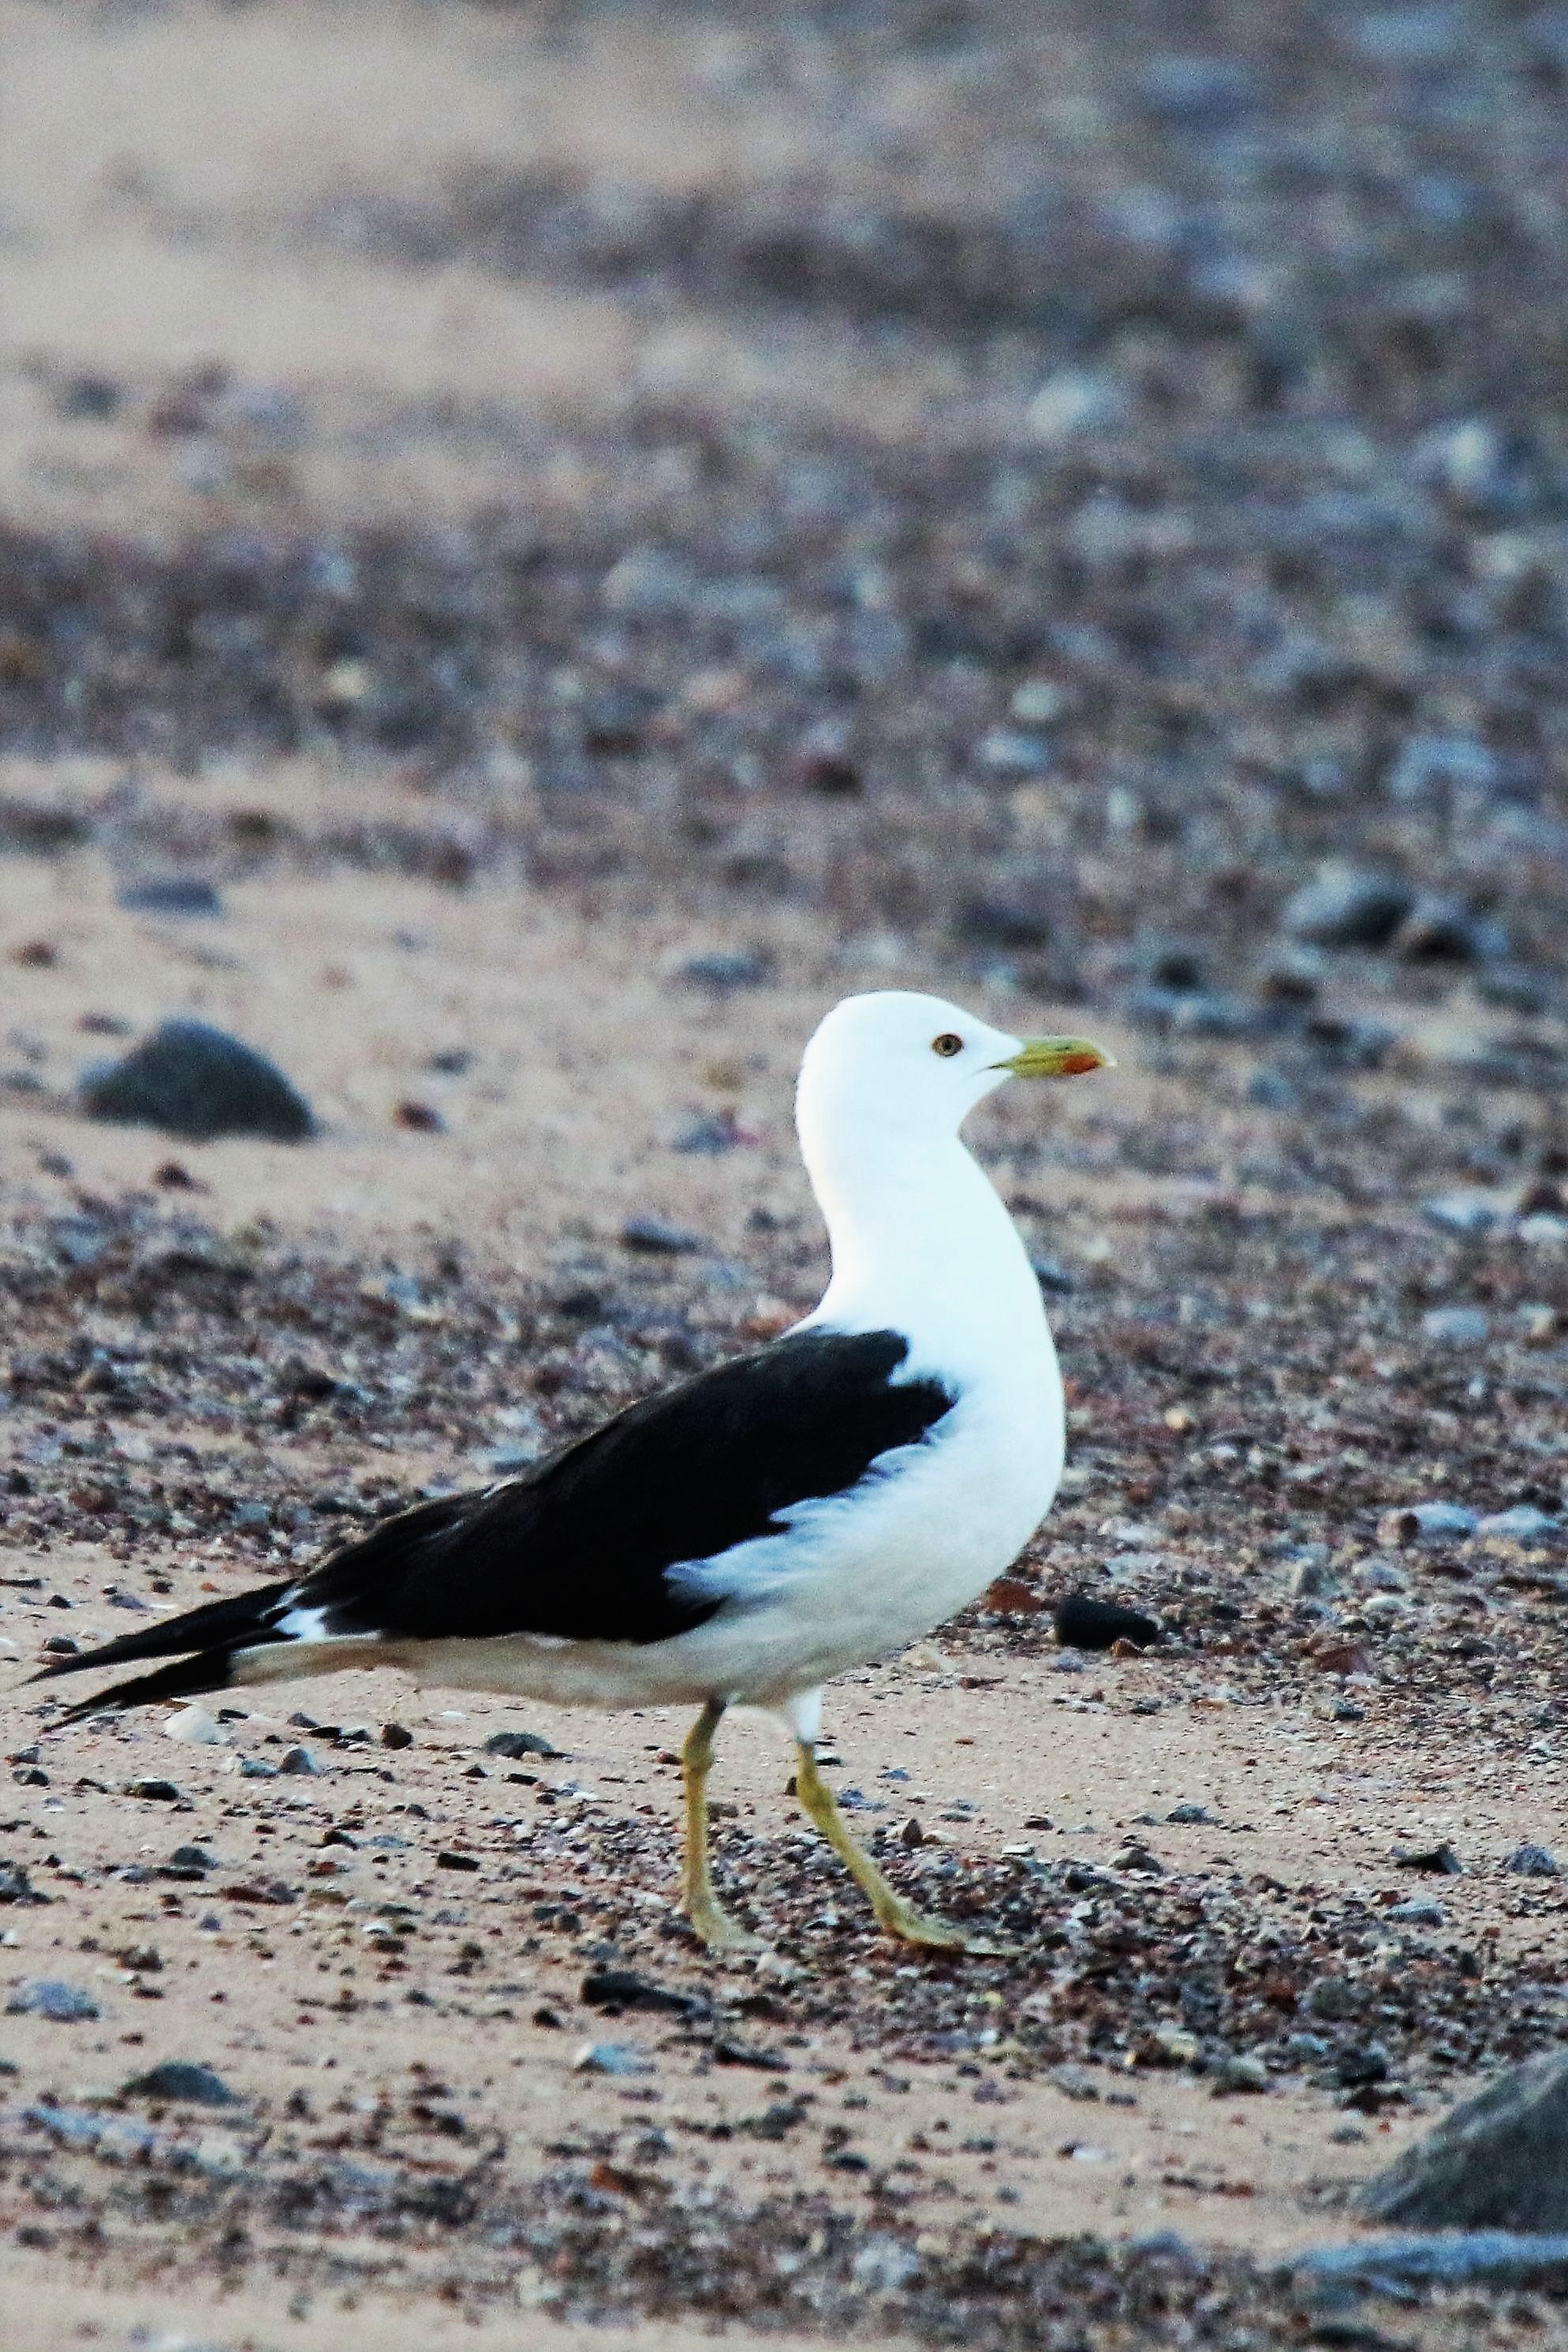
[582, 1545]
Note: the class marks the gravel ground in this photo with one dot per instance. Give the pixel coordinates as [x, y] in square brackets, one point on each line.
[578, 535]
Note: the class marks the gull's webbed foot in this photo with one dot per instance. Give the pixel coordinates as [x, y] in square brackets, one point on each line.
[895, 1915]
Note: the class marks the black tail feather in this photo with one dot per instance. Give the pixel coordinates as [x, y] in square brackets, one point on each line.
[217, 1625]
[186, 1678]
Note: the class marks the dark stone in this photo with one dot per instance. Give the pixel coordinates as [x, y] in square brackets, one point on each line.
[617, 1989]
[1440, 1860]
[418, 1118]
[712, 1135]
[724, 969]
[449, 1860]
[195, 1081]
[190, 1863]
[89, 398]
[1444, 930]
[1003, 919]
[179, 2078]
[654, 1238]
[1344, 907]
[16, 1887]
[397, 1735]
[64, 2004]
[1532, 1862]
[519, 1743]
[1358, 2068]
[1082, 1623]
[171, 893]
[157, 1792]
[1497, 2161]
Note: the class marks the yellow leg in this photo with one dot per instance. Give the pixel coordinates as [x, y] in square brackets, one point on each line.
[898, 1917]
[713, 1924]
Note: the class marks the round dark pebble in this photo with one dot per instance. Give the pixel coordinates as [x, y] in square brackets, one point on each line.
[1081, 1623]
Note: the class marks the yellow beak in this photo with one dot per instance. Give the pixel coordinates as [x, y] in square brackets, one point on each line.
[1055, 1058]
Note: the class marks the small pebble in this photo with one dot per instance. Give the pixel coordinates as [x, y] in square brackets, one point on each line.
[184, 2080]
[418, 1118]
[1082, 1623]
[196, 1728]
[723, 970]
[1440, 1860]
[1460, 1213]
[298, 1760]
[1522, 1523]
[610, 2058]
[517, 1743]
[171, 894]
[63, 2004]
[1241, 2073]
[1533, 1862]
[653, 1238]
[1456, 1327]
[1345, 907]
[1418, 1911]
[620, 1988]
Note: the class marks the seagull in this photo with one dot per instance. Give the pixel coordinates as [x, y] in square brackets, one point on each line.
[741, 1538]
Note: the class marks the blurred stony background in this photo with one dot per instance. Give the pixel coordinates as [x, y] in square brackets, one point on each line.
[1038, 480]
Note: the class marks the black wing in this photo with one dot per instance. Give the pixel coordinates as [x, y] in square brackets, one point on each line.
[582, 1545]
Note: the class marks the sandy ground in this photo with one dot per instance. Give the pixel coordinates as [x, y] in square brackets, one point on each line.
[216, 1356]
[560, 1130]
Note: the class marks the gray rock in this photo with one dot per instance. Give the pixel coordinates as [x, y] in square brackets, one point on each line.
[1456, 1327]
[65, 2004]
[1533, 1862]
[298, 1760]
[1241, 2072]
[611, 2058]
[648, 583]
[179, 2078]
[1073, 401]
[1525, 1522]
[1442, 765]
[1335, 1998]
[1497, 2161]
[195, 1081]
[723, 969]
[1271, 1090]
[1419, 1911]
[1442, 1522]
[1488, 2257]
[171, 894]
[1460, 1213]
[514, 1744]
[1014, 751]
[1344, 907]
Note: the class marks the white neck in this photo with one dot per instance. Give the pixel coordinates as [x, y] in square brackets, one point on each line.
[921, 1244]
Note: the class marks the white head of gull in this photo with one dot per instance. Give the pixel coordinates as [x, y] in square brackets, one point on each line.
[765, 1525]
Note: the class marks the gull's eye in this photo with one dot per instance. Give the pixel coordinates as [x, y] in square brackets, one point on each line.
[947, 1044]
